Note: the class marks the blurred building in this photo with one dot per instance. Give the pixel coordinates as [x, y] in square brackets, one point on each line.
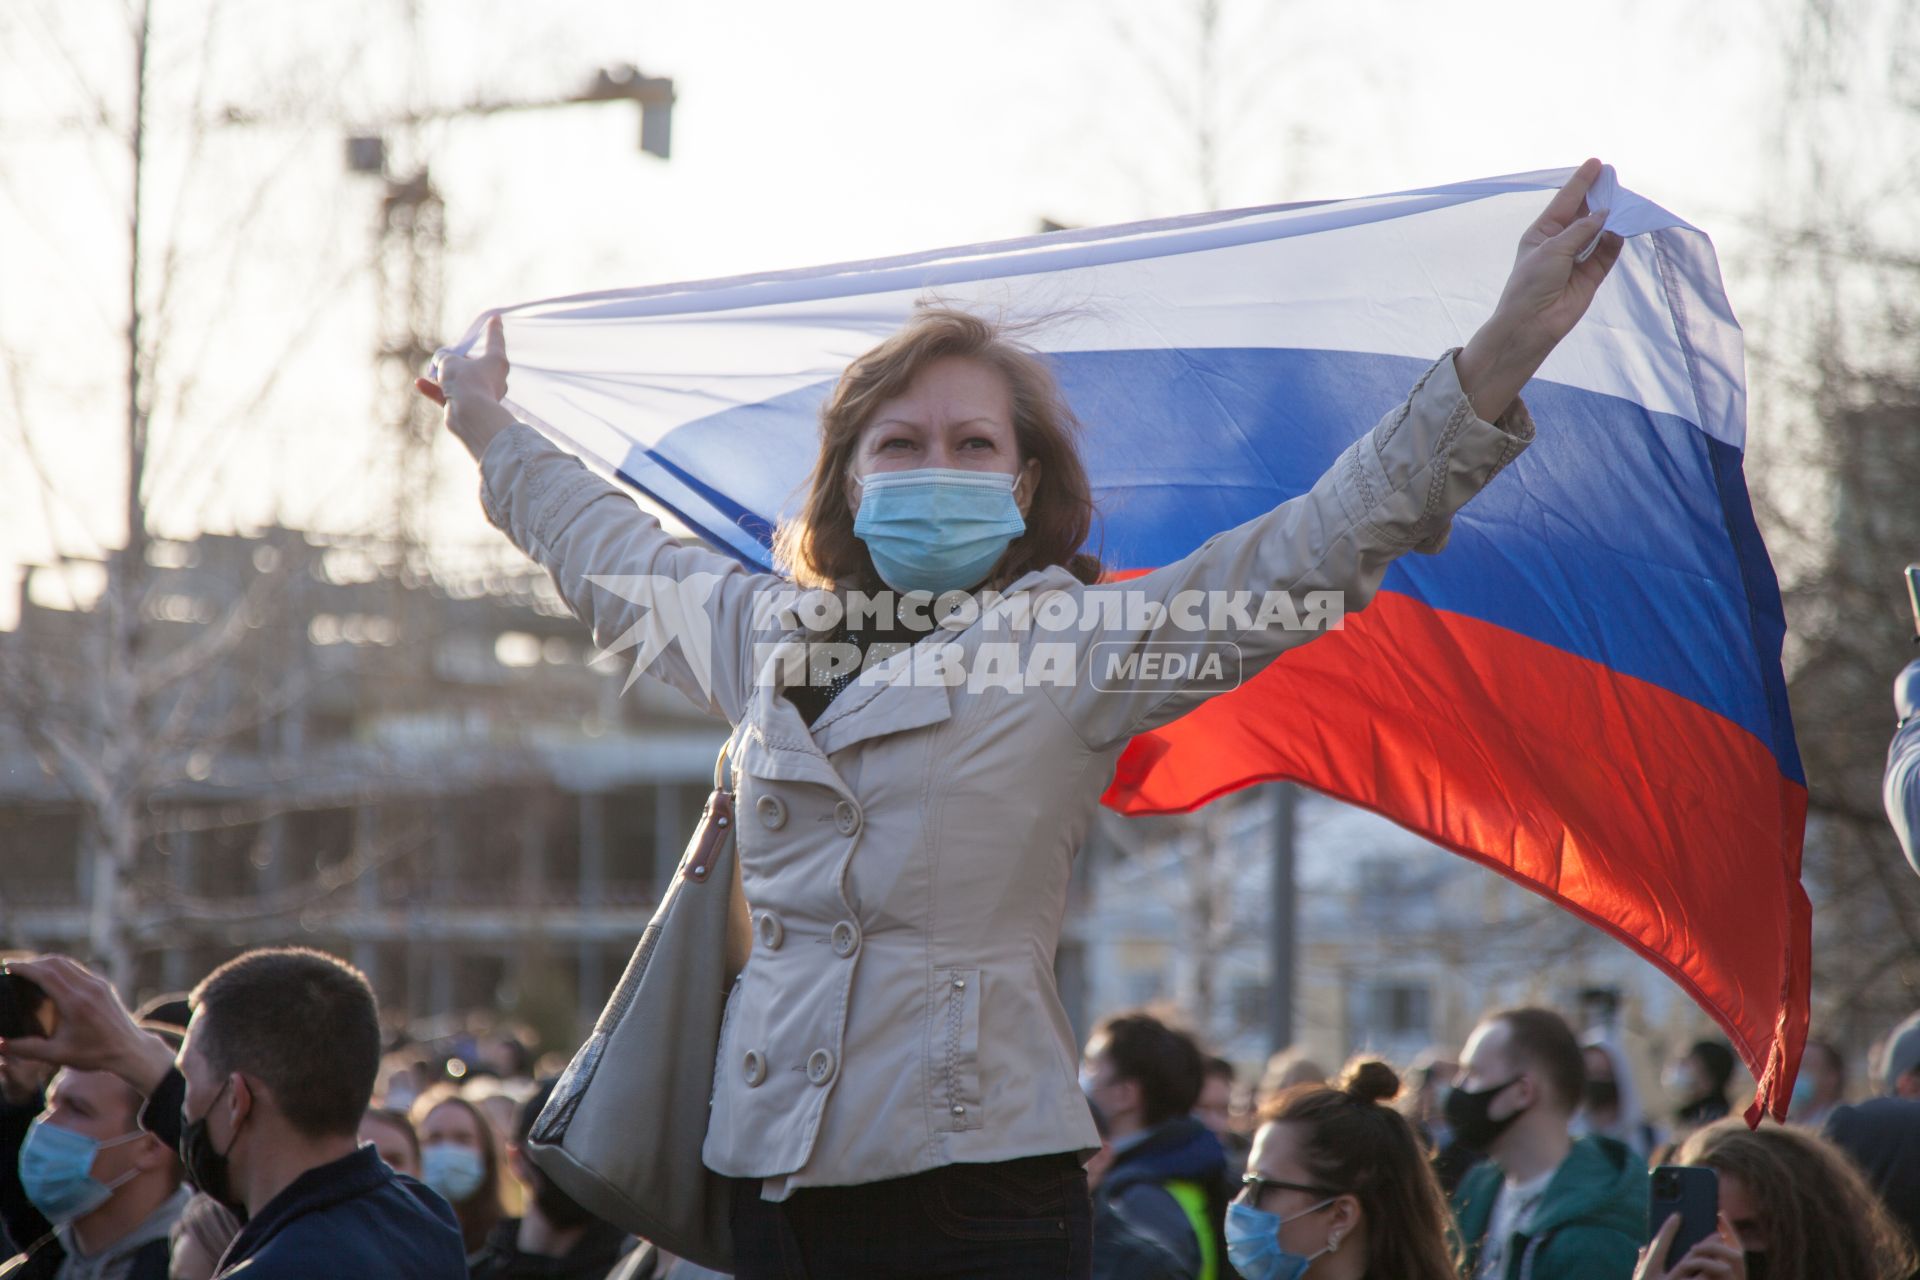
[479, 819]
[1399, 945]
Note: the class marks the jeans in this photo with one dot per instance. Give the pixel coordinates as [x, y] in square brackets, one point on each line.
[1026, 1219]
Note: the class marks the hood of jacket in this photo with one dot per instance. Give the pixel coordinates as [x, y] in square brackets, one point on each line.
[1633, 1112]
[112, 1260]
[1601, 1184]
[1178, 1148]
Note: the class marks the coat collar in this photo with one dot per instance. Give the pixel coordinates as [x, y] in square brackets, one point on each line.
[894, 696]
[314, 1191]
[886, 699]
[777, 739]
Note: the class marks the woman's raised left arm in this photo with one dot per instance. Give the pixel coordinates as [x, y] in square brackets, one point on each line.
[1395, 489]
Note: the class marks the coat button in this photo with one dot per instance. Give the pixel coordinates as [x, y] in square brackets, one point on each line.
[754, 1068]
[846, 817]
[772, 811]
[846, 937]
[772, 932]
[820, 1067]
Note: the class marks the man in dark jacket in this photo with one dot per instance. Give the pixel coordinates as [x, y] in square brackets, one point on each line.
[1121, 1251]
[264, 1106]
[556, 1238]
[1169, 1177]
[1883, 1137]
[1543, 1205]
[1883, 1134]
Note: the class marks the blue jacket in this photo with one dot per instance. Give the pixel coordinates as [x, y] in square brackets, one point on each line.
[354, 1217]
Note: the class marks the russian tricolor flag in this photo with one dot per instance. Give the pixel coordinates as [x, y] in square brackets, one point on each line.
[1583, 691]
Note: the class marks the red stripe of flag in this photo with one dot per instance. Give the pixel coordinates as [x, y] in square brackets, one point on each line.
[1643, 813]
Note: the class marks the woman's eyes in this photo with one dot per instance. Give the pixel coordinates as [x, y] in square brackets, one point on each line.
[975, 443]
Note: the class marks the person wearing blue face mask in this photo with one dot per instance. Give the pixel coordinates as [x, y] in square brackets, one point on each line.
[1339, 1188]
[914, 782]
[458, 1159]
[111, 1190]
[23, 1096]
[1821, 1086]
[1169, 1174]
[937, 529]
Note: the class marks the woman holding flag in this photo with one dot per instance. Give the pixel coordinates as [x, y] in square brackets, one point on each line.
[896, 1082]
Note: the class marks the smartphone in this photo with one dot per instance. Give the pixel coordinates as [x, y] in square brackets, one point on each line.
[25, 1009]
[1694, 1194]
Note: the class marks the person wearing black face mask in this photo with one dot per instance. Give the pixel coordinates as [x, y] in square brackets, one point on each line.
[1544, 1204]
[555, 1239]
[1612, 1106]
[264, 1107]
[1699, 1084]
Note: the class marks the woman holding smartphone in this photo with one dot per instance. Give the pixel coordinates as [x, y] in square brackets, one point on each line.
[1792, 1206]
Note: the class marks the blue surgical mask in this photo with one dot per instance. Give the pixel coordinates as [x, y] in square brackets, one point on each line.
[455, 1172]
[56, 1171]
[1253, 1243]
[936, 529]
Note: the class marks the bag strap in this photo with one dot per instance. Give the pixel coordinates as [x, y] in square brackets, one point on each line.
[716, 832]
[716, 822]
[721, 781]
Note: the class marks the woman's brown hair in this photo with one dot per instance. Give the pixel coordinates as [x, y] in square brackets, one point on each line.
[818, 547]
[1351, 1142]
[480, 1212]
[1822, 1220]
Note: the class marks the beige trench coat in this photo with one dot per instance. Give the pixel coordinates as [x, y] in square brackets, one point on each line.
[906, 857]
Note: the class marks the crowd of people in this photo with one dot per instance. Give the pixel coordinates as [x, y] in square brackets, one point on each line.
[1527, 1156]
[266, 1127]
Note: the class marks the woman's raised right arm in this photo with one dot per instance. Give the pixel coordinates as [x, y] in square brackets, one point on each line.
[681, 613]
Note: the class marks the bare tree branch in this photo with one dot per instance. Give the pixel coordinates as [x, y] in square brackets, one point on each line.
[194, 909]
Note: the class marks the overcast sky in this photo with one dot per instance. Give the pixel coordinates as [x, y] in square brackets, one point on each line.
[803, 134]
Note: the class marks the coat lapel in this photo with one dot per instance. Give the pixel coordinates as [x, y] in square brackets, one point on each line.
[780, 746]
[887, 699]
